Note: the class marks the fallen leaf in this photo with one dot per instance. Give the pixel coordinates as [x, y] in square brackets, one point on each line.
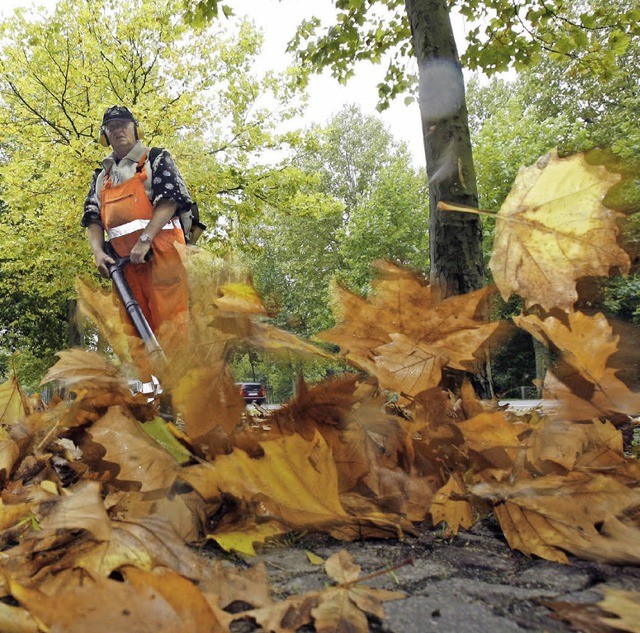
[16, 620]
[534, 517]
[582, 617]
[242, 537]
[80, 509]
[295, 478]
[144, 602]
[450, 506]
[77, 366]
[314, 559]
[495, 437]
[345, 607]
[14, 405]
[139, 457]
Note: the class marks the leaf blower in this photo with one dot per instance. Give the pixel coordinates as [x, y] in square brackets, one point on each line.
[116, 272]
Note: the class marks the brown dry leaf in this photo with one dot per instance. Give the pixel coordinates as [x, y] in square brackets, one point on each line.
[145, 543]
[294, 482]
[10, 514]
[586, 343]
[9, 454]
[145, 602]
[582, 617]
[626, 607]
[14, 404]
[576, 513]
[402, 337]
[16, 620]
[140, 459]
[560, 446]
[450, 505]
[225, 585]
[495, 437]
[81, 509]
[553, 229]
[180, 510]
[77, 366]
[99, 305]
[276, 340]
[206, 398]
[345, 607]
[238, 297]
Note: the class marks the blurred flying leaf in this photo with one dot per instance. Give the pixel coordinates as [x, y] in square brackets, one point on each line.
[403, 337]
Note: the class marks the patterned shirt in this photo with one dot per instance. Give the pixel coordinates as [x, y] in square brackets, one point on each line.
[163, 181]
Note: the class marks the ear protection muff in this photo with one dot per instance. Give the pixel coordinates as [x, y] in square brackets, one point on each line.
[104, 139]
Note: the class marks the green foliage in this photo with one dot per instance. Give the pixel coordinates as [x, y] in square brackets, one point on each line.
[503, 35]
[516, 34]
[513, 365]
[359, 200]
[352, 198]
[622, 298]
[280, 374]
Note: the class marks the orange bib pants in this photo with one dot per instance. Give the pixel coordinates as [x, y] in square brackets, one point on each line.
[159, 285]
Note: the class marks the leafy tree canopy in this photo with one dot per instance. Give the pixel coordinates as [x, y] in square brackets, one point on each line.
[194, 90]
[503, 34]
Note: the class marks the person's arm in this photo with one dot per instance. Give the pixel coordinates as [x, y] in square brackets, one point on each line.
[95, 230]
[95, 233]
[162, 213]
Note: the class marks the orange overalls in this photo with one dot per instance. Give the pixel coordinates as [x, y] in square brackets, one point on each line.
[160, 285]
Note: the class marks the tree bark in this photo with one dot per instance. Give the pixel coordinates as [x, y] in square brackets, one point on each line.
[455, 238]
[74, 334]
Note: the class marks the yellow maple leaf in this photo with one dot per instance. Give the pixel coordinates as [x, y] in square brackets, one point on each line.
[14, 405]
[296, 478]
[241, 538]
[553, 229]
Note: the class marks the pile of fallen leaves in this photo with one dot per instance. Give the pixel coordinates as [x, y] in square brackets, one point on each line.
[101, 497]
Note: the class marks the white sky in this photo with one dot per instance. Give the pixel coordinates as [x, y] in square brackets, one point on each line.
[279, 19]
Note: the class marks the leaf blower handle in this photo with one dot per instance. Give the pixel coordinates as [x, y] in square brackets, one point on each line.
[116, 272]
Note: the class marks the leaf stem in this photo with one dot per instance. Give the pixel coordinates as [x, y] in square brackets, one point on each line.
[380, 572]
[447, 206]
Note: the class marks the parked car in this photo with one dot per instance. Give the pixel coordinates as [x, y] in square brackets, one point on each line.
[252, 392]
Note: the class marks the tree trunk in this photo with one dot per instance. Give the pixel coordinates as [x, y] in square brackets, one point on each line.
[543, 362]
[74, 334]
[455, 238]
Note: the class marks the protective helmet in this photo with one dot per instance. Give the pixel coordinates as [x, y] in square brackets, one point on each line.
[113, 113]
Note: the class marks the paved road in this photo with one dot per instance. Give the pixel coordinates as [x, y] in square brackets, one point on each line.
[525, 405]
[514, 405]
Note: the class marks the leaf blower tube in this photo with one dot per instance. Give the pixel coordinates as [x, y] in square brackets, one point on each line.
[116, 271]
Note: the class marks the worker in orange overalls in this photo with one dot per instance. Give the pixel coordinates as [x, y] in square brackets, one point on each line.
[137, 200]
